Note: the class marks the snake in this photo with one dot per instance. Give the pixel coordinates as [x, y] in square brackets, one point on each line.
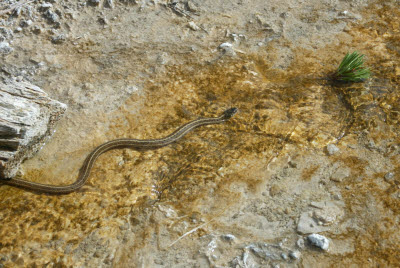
[145, 144]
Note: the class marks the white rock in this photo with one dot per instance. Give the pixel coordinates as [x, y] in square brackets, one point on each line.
[228, 237]
[319, 241]
[5, 48]
[332, 149]
[193, 26]
[295, 254]
[227, 48]
[225, 45]
[389, 176]
[300, 243]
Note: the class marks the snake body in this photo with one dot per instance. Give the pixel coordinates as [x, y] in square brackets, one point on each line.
[114, 144]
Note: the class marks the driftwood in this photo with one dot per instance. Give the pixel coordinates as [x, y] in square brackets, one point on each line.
[27, 117]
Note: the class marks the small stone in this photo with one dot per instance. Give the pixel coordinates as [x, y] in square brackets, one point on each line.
[25, 23]
[45, 6]
[228, 237]
[102, 20]
[5, 34]
[5, 48]
[293, 164]
[300, 243]
[284, 256]
[163, 58]
[318, 241]
[51, 16]
[227, 48]
[36, 29]
[94, 2]
[337, 196]
[109, 4]
[332, 149]
[192, 7]
[389, 176]
[18, 29]
[193, 26]
[59, 39]
[295, 254]
[371, 145]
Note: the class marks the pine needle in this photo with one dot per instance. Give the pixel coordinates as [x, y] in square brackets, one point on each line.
[351, 68]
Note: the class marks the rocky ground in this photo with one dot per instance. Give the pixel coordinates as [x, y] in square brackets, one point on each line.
[305, 175]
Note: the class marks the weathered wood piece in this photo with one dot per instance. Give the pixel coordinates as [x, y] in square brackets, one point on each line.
[27, 117]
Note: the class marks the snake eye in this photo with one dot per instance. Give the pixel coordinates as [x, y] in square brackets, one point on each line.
[230, 112]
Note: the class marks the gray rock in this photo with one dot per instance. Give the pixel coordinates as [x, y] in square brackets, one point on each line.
[109, 4]
[45, 6]
[5, 48]
[228, 237]
[58, 39]
[295, 254]
[318, 241]
[36, 29]
[25, 23]
[51, 16]
[332, 149]
[300, 243]
[389, 176]
[94, 2]
[27, 117]
[5, 34]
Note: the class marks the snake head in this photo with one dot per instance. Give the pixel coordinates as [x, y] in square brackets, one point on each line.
[229, 113]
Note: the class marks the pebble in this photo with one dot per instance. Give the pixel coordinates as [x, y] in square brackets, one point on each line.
[389, 176]
[18, 29]
[26, 23]
[295, 254]
[5, 34]
[318, 241]
[109, 3]
[94, 2]
[36, 29]
[337, 196]
[300, 243]
[284, 256]
[45, 6]
[193, 26]
[51, 16]
[59, 39]
[332, 149]
[5, 48]
[228, 237]
[227, 48]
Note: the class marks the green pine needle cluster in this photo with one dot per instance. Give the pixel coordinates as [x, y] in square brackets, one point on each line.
[351, 68]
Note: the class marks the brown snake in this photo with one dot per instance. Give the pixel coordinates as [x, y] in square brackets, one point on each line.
[114, 144]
